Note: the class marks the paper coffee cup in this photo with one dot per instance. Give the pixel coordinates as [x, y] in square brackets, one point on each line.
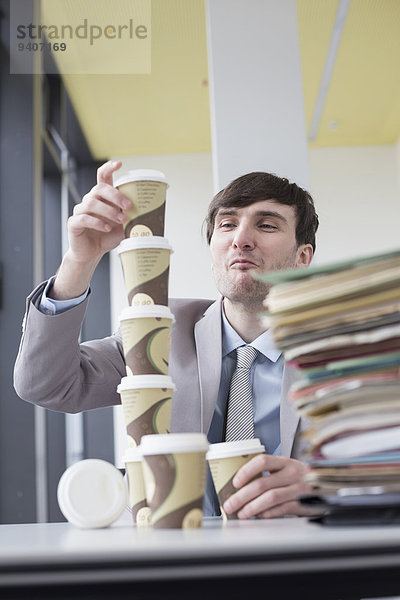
[146, 188]
[141, 513]
[145, 265]
[174, 470]
[225, 459]
[146, 403]
[146, 339]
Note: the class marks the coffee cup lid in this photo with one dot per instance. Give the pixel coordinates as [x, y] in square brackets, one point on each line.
[133, 382]
[145, 241]
[167, 443]
[132, 455]
[143, 312]
[235, 448]
[92, 493]
[141, 175]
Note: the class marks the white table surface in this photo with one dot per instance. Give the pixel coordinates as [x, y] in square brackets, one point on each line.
[56, 554]
[61, 542]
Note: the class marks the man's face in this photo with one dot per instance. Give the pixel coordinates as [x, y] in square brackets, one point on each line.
[254, 239]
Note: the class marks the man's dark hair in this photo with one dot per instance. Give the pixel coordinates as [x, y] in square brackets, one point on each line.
[253, 187]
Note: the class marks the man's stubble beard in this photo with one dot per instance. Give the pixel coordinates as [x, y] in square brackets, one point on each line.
[249, 291]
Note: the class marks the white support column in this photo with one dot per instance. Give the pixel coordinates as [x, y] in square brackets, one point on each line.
[397, 158]
[256, 96]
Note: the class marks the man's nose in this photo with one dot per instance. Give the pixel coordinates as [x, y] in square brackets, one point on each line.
[243, 238]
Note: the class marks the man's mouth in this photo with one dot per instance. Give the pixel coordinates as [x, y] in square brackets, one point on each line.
[242, 263]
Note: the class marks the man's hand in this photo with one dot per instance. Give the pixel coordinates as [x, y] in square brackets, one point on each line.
[95, 227]
[271, 495]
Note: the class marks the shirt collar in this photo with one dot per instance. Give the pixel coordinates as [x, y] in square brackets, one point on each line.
[232, 340]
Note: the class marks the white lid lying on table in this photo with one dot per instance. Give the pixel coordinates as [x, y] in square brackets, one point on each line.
[92, 493]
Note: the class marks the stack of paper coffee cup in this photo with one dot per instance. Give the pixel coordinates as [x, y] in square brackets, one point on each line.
[166, 473]
[146, 391]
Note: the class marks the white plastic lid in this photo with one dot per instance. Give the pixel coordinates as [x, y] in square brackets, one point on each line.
[134, 382]
[92, 493]
[235, 448]
[146, 241]
[141, 175]
[132, 455]
[144, 312]
[166, 443]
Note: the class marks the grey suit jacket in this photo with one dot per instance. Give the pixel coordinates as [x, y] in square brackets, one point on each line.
[54, 371]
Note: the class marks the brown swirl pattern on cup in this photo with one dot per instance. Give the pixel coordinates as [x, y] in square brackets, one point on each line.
[224, 493]
[147, 423]
[164, 468]
[147, 356]
[156, 289]
[152, 221]
[189, 516]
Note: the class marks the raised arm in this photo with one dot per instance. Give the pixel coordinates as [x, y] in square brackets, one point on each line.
[95, 227]
[52, 369]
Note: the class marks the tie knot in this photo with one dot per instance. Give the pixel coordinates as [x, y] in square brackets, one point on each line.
[245, 355]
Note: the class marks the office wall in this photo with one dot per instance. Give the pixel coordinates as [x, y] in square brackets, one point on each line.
[257, 111]
[397, 159]
[357, 193]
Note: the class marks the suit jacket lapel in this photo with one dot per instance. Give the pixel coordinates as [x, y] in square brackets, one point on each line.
[289, 419]
[208, 339]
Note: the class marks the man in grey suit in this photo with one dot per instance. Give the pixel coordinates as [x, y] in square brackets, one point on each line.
[259, 222]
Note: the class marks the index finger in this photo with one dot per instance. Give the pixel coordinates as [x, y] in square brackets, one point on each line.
[104, 173]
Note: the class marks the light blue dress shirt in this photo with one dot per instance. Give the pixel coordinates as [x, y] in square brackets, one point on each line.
[266, 378]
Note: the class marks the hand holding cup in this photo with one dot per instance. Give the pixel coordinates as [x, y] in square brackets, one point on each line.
[96, 225]
[225, 459]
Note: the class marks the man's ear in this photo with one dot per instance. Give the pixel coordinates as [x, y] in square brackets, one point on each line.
[304, 255]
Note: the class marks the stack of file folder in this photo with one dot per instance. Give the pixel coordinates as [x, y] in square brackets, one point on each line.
[339, 325]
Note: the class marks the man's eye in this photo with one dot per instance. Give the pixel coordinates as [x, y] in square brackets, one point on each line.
[226, 225]
[267, 226]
